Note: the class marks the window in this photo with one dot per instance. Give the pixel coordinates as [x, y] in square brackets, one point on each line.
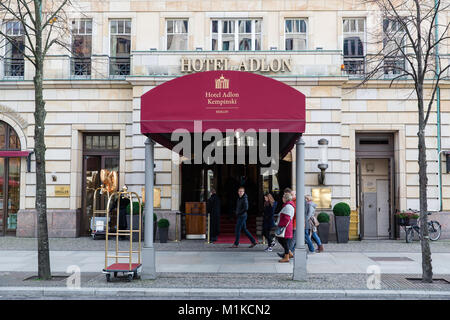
[81, 47]
[295, 34]
[230, 35]
[8, 137]
[393, 45]
[101, 141]
[14, 49]
[177, 34]
[120, 47]
[353, 46]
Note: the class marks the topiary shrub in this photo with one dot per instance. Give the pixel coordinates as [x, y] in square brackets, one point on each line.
[323, 217]
[135, 208]
[341, 209]
[163, 223]
[155, 218]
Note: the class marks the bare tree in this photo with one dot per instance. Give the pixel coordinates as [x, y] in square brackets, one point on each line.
[43, 24]
[406, 47]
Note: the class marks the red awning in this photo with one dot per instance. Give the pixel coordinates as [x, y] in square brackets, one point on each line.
[14, 153]
[222, 100]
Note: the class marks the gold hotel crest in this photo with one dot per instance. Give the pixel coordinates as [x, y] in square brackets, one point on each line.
[222, 83]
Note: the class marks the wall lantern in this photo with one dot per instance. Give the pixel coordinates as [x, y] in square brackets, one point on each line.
[323, 160]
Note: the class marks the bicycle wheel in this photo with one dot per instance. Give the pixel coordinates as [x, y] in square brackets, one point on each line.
[409, 235]
[434, 230]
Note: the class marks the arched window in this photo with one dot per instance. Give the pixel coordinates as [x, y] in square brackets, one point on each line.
[9, 140]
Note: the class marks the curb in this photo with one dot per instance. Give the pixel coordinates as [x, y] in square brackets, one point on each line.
[212, 293]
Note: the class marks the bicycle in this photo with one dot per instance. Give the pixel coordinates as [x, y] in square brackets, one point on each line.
[434, 229]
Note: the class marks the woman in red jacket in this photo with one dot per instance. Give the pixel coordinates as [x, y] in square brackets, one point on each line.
[285, 220]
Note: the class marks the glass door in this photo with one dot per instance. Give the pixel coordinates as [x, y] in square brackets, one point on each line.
[13, 195]
[92, 167]
[9, 194]
[2, 195]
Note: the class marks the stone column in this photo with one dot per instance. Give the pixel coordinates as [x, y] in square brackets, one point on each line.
[300, 250]
[148, 251]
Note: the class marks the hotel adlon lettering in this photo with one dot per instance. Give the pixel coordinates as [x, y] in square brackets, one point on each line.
[250, 64]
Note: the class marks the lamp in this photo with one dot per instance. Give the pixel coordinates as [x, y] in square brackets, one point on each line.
[323, 160]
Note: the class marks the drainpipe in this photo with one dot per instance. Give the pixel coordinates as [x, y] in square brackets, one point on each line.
[438, 105]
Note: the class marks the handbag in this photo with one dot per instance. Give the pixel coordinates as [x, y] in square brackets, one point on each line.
[314, 221]
[280, 231]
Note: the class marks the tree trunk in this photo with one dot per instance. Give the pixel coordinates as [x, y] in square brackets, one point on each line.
[44, 272]
[427, 270]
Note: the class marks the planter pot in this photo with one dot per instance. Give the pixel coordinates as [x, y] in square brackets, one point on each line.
[163, 235]
[135, 227]
[403, 221]
[342, 224]
[412, 222]
[323, 230]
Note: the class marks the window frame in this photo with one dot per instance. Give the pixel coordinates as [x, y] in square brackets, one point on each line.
[296, 33]
[4, 26]
[236, 34]
[176, 33]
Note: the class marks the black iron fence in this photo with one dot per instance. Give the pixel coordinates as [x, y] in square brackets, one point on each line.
[119, 66]
[14, 67]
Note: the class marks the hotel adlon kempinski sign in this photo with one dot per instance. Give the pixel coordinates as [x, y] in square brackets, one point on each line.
[246, 64]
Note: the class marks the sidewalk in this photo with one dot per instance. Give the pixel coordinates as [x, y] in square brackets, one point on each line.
[257, 261]
[194, 269]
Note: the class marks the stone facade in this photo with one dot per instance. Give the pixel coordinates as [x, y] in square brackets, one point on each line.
[336, 110]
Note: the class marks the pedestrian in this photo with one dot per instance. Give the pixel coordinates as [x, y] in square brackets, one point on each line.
[312, 223]
[268, 223]
[310, 208]
[285, 220]
[292, 241]
[241, 223]
[213, 208]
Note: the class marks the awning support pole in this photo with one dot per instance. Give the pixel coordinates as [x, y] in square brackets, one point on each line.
[300, 250]
[148, 252]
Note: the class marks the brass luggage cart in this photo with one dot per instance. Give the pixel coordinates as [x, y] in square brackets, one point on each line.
[98, 221]
[131, 270]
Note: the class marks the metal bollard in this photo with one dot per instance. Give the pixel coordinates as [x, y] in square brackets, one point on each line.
[209, 226]
[176, 227]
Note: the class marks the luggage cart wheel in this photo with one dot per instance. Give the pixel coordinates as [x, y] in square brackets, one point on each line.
[130, 277]
[108, 277]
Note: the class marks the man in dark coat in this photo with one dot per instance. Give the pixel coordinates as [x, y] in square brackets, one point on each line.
[213, 208]
[241, 212]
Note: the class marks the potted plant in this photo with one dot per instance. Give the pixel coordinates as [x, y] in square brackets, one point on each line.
[407, 218]
[342, 221]
[163, 226]
[324, 226]
[155, 225]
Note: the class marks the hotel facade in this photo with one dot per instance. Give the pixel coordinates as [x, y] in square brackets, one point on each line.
[123, 49]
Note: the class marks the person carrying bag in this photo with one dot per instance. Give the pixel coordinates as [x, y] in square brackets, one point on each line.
[284, 230]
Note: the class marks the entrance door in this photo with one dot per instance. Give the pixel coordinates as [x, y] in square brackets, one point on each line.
[9, 194]
[93, 165]
[383, 208]
[100, 151]
[374, 177]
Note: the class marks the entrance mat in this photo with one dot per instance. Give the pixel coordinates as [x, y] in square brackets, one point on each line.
[229, 238]
[393, 259]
